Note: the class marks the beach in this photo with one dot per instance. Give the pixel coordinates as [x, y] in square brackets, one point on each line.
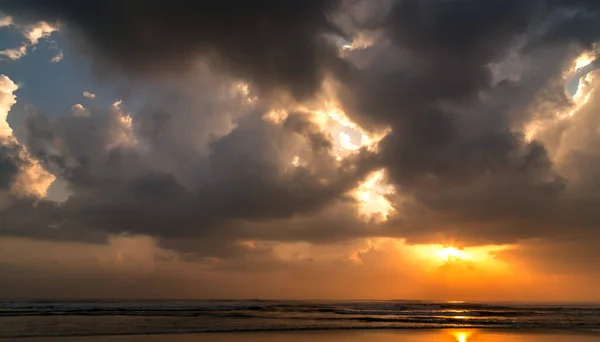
[441, 335]
[256, 320]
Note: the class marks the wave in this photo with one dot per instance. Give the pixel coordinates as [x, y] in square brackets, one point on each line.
[589, 330]
[259, 307]
[92, 318]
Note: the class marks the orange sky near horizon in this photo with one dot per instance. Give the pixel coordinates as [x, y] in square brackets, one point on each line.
[128, 268]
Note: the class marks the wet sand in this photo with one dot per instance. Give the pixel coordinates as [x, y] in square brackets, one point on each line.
[345, 336]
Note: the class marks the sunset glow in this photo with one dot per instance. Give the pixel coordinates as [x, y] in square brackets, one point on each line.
[300, 170]
[449, 253]
[461, 336]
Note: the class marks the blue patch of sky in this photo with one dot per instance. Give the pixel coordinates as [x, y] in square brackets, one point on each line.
[10, 38]
[50, 87]
[53, 88]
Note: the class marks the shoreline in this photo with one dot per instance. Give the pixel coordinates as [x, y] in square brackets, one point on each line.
[506, 331]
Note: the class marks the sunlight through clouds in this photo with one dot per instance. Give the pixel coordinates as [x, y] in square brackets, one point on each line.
[32, 179]
[580, 97]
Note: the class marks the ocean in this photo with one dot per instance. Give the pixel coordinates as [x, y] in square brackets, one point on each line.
[91, 318]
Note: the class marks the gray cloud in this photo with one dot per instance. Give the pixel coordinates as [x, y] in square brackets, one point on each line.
[9, 163]
[206, 171]
[187, 190]
[273, 44]
[457, 149]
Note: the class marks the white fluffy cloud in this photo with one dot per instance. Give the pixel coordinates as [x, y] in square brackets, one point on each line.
[89, 95]
[7, 100]
[14, 54]
[79, 110]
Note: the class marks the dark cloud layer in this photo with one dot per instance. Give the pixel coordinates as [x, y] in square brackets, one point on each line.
[457, 151]
[10, 163]
[274, 44]
[456, 147]
[240, 180]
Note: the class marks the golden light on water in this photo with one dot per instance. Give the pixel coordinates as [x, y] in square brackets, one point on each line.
[461, 336]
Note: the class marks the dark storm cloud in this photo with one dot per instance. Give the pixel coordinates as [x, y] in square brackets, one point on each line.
[10, 162]
[243, 181]
[271, 43]
[24, 216]
[456, 152]
[440, 51]
[456, 148]
[44, 220]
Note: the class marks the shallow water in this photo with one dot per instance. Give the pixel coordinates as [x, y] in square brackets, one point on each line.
[46, 319]
[457, 335]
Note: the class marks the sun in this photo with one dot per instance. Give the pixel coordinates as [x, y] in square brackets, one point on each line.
[451, 253]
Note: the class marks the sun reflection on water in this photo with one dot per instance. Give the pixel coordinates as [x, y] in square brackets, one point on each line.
[461, 335]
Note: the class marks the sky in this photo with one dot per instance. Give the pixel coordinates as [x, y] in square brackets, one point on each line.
[340, 149]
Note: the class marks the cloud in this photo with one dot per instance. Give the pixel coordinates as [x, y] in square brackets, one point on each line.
[116, 189]
[5, 20]
[33, 32]
[14, 54]
[9, 167]
[89, 95]
[20, 174]
[7, 100]
[79, 110]
[24, 182]
[456, 152]
[224, 168]
[40, 30]
[59, 57]
[221, 156]
[10, 162]
[178, 34]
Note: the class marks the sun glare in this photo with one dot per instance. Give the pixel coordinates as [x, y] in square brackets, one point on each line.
[371, 195]
[461, 336]
[452, 253]
[584, 60]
